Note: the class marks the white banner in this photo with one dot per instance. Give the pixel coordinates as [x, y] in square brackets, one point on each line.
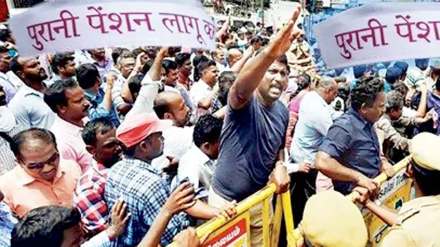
[380, 32]
[69, 25]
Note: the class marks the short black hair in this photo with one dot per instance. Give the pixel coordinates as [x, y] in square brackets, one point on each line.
[196, 61]
[401, 88]
[44, 226]
[147, 66]
[256, 39]
[207, 129]
[437, 84]
[90, 130]
[3, 49]
[22, 137]
[365, 91]
[304, 81]
[14, 65]
[428, 181]
[60, 60]
[116, 52]
[5, 34]
[283, 60]
[55, 95]
[225, 81]
[161, 105]
[125, 54]
[135, 83]
[394, 101]
[181, 58]
[87, 74]
[169, 65]
[205, 65]
[137, 51]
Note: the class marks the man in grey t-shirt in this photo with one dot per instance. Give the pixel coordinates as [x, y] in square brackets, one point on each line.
[252, 140]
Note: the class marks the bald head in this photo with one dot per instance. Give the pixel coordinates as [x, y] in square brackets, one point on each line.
[170, 105]
[32, 139]
[328, 89]
[234, 55]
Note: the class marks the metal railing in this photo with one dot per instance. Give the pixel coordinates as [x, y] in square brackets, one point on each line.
[282, 206]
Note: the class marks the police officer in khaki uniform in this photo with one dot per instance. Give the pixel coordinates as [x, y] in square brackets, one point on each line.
[418, 221]
[332, 220]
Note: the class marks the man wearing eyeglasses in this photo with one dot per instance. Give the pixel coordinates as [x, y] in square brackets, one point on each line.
[40, 178]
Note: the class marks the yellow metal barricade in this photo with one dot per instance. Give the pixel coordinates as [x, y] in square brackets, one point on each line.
[382, 178]
[271, 223]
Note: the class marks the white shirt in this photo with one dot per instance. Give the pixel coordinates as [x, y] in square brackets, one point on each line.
[199, 91]
[314, 120]
[193, 165]
[177, 141]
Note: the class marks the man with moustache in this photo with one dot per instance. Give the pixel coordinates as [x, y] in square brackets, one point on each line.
[41, 178]
[252, 139]
[28, 105]
[66, 98]
[350, 154]
[10, 86]
[99, 135]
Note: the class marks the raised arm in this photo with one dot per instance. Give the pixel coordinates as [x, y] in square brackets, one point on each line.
[253, 71]
[155, 70]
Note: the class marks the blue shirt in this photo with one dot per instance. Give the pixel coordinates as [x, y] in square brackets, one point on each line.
[314, 120]
[353, 142]
[30, 110]
[97, 108]
[249, 144]
[7, 222]
[144, 192]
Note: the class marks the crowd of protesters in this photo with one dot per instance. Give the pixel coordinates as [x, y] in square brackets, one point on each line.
[137, 146]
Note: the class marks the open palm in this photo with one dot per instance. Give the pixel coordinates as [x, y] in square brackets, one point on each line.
[285, 36]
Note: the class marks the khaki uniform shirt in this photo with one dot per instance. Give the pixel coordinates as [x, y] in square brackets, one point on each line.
[419, 224]
[390, 134]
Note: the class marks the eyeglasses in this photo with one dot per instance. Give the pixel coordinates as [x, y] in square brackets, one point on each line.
[39, 165]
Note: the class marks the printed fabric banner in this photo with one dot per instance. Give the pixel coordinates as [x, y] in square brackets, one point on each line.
[380, 32]
[69, 25]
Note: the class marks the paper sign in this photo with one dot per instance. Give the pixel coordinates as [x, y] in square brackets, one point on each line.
[380, 32]
[70, 25]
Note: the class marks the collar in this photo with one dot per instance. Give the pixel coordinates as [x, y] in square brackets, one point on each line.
[98, 167]
[420, 202]
[385, 116]
[204, 84]
[4, 76]
[356, 114]
[92, 95]
[319, 98]
[102, 65]
[28, 90]
[143, 164]
[198, 154]
[68, 127]
[24, 178]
